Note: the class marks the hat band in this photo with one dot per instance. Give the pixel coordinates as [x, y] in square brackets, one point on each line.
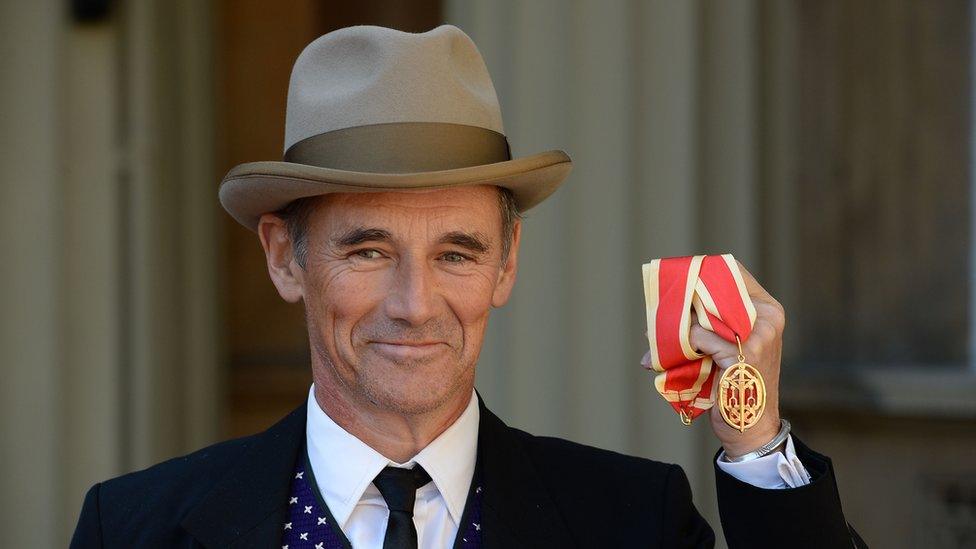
[402, 147]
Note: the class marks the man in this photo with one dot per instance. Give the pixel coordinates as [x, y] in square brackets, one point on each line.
[395, 220]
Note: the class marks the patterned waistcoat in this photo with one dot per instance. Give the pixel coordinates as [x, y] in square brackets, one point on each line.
[310, 523]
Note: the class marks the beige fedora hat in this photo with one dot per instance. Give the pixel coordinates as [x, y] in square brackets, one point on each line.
[377, 109]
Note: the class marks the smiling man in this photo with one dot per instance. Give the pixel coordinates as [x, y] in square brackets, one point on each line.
[397, 290]
[394, 220]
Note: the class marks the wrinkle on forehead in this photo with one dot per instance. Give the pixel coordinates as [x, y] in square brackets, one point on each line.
[432, 212]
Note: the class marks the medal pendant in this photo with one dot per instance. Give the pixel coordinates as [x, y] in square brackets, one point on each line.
[741, 394]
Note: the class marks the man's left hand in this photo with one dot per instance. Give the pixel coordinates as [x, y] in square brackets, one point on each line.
[762, 349]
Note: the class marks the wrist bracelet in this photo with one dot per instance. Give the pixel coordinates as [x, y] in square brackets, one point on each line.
[780, 438]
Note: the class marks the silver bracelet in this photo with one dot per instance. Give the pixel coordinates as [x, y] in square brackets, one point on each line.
[780, 438]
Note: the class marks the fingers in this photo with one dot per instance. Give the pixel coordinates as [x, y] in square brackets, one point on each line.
[771, 314]
[767, 330]
[726, 353]
[707, 342]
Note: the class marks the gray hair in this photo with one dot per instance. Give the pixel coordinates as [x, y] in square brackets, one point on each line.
[296, 213]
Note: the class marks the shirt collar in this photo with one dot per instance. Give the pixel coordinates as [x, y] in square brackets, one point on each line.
[345, 466]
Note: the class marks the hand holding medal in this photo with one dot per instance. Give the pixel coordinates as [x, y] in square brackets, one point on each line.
[741, 393]
[715, 342]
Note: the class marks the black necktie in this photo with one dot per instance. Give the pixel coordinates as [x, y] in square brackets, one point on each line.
[399, 488]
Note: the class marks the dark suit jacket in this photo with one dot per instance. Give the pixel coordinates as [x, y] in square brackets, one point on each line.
[538, 492]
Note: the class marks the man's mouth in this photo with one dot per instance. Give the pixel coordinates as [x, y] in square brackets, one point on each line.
[400, 349]
[410, 343]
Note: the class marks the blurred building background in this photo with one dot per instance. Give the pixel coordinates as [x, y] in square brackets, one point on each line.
[827, 144]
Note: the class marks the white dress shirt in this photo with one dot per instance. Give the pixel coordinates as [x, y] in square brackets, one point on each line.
[344, 468]
[777, 470]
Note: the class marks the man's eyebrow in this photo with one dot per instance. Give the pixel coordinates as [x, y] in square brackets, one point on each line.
[475, 242]
[359, 235]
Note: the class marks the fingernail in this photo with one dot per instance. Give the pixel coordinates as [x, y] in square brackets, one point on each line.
[646, 360]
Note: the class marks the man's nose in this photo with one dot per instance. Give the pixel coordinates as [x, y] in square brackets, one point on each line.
[411, 298]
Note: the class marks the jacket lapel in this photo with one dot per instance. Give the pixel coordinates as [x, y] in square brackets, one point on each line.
[247, 507]
[517, 509]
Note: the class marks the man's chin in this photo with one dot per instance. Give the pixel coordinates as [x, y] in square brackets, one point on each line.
[405, 402]
[413, 393]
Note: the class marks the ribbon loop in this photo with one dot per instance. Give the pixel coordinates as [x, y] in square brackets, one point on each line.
[713, 286]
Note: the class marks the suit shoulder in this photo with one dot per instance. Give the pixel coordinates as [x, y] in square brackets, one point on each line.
[568, 455]
[595, 486]
[198, 467]
[165, 492]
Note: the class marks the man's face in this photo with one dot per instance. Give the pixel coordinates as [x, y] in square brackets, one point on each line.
[397, 289]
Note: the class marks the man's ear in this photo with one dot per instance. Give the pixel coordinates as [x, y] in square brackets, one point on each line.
[285, 272]
[506, 277]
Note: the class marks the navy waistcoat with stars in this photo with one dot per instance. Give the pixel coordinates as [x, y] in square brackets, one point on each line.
[310, 523]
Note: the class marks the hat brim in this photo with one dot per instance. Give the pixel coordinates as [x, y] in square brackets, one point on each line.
[255, 188]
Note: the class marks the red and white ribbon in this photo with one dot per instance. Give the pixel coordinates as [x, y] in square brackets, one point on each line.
[713, 286]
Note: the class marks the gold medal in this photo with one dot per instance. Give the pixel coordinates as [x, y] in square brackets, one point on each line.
[741, 393]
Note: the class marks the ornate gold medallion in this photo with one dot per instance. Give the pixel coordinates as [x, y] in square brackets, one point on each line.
[741, 393]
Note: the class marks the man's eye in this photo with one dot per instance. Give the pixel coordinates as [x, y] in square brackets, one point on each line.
[369, 253]
[454, 257]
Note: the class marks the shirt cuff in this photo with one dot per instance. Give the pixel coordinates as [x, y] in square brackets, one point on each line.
[776, 470]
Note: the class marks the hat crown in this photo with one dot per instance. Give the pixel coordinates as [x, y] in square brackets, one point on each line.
[365, 75]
